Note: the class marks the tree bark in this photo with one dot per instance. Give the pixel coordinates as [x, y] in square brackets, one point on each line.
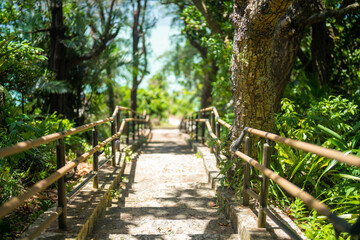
[253, 89]
[137, 33]
[57, 58]
[209, 78]
[268, 36]
[110, 91]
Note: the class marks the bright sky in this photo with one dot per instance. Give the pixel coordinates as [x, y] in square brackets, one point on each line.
[159, 41]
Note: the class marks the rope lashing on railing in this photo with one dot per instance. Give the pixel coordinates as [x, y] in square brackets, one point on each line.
[340, 225]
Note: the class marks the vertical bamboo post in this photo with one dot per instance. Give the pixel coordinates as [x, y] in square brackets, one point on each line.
[133, 127]
[246, 183]
[217, 147]
[127, 130]
[264, 187]
[118, 117]
[212, 123]
[197, 128]
[113, 150]
[95, 158]
[203, 129]
[192, 124]
[62, 203]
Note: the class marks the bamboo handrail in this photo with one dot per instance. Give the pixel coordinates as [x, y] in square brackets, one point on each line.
[308, 147]
[291, 188]
[206, 109]
[339, 223]
[15, 202]
[25, 145]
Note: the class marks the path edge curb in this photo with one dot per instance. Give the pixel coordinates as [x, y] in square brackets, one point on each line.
[242, 219]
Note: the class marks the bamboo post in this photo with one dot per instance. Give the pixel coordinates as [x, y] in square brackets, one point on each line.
[212, 122]
[113, 150]
[246, 183]
[197, 128]
[133, 127]
[95, 158]
[217, 147]
[203, 129]
[264, 187]
[118, 117]
[62, 202]
[127, 129]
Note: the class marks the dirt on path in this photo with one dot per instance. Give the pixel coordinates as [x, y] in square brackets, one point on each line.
[164, 195]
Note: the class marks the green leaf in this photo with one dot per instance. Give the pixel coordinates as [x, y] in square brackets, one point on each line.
[332, 164]
[329, 131]
[348, 176]
[339, 144]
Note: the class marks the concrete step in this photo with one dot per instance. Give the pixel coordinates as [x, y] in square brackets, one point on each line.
[154, 185]
[151, 213]
[167, 192]
[162, 226]
[170, 236]
[189, 202]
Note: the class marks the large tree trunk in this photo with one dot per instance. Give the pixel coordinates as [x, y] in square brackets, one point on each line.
[268, 37]
[209, 78]
[57, 53]
[135, 57]
[137, 33]
[210, 72]
[253, 89]
[110, 92]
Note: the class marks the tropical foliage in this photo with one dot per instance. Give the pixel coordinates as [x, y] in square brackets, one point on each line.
[37, 97]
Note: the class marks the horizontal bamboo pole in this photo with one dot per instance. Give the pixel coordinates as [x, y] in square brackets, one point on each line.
[206, 109]
[225, 124]
[15, 202]
[115, 111]
[23, 146]
[216, 113]
[289, 187]
[127, 109]
[308, 147]
[200, 120]
[211, 132]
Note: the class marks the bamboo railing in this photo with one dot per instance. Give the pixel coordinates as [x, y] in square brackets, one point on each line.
[118, 127]
[190, 124]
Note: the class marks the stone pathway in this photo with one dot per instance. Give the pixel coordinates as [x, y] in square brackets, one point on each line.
[165, 195]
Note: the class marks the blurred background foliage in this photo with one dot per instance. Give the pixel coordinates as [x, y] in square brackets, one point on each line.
[324, 113]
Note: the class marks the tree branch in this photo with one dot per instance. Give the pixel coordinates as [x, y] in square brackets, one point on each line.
[213, 25]
[110, 17]
[331, 13]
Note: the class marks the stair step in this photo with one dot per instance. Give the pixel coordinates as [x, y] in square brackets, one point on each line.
[171, 237]
[152, 213]
[167, 192]
[166, 185]
[163, 226]
[189, 202]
